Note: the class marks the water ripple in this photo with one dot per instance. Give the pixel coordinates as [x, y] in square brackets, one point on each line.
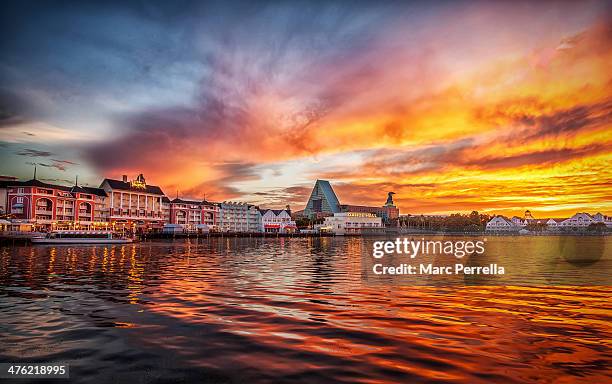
[285, 310]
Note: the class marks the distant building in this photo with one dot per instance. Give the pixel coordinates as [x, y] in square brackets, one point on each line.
[134, 204]
[501, 223]
[193, 214]
[322, 201]
[578, 221]
[601, 218]
[239, 217]
[553, 223]
[386, 213]
[353, 223]
[277, 221]
[519, 221]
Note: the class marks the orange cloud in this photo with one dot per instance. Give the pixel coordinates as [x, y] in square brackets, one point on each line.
[525, 130]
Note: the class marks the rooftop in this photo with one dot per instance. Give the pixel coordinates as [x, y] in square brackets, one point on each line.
[127, 186]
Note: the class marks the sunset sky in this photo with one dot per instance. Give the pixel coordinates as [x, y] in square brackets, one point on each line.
[455, 106]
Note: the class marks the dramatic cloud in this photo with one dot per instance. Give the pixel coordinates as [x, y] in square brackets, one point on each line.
[454, 106]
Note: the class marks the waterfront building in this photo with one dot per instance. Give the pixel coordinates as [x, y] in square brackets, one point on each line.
[501, 223]
[580, 220]
[322, 201]
[238, 217]
[4, 183]
[601, 218]
[193, 214]
[353, 223]
[553, 223]
[519, 221]
[277, 221]
[134, 204]
[165, 205]
[386, 213]
[48, 206]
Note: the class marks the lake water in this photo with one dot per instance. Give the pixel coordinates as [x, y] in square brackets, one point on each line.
[299, 310]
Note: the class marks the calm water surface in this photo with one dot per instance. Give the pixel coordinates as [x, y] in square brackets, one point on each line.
[288, 310]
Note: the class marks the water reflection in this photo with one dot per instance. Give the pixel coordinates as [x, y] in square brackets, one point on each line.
[286, 310]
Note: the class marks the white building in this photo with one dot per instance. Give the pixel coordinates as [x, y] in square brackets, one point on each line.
[500, 223]
[601, 218]
[352, 223]
[239, 217]
[277, 221]
[519, 222]
[134, 203]
[165, 207]
[553, 223]
[579, 220]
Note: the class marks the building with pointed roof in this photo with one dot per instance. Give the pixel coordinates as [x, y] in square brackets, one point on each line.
[322, 201]
[48, 206]
[502, 224]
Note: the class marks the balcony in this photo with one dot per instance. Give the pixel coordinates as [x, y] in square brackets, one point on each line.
[44, 211]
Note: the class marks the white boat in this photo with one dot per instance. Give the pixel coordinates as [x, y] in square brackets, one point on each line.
[80, 237]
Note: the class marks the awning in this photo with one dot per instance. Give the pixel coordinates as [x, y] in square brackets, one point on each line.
[272, 226]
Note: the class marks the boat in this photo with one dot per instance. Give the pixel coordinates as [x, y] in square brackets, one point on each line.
[80, 237]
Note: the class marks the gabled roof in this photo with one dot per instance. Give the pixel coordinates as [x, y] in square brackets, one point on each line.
[123, 186]
[73, 189]
[504, 218]
[578, 214]
[90, 190]
[38, 183]
[556, 220]
[194, 202]
[276, 212]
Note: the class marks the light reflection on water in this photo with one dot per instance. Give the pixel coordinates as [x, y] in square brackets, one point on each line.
[287, 310]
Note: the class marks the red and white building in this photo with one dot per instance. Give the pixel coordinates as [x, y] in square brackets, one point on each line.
[194, 214]
[48, 206]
